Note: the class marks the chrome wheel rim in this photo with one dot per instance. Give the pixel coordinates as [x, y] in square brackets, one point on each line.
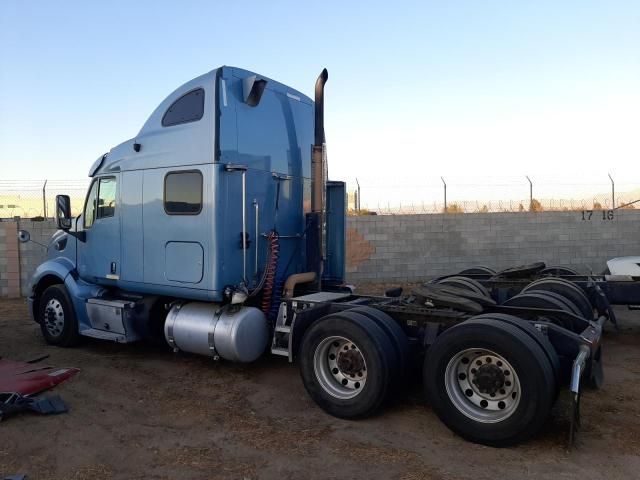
[482, 385]
[54, 317]
[340, 367]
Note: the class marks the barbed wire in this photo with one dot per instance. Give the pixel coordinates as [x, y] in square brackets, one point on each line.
[406, 196]
[36, 198]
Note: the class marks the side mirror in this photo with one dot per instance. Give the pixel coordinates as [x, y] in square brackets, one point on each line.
[23, 236]
[63, 212]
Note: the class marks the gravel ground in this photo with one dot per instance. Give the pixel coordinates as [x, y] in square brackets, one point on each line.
[142, 412]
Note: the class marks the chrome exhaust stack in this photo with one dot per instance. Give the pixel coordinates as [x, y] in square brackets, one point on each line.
[318, 159]
[316, 246]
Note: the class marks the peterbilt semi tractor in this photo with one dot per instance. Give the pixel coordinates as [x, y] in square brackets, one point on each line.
[216, 231]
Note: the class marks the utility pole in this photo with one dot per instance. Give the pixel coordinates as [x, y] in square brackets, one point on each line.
[530, 193]
[357, 205]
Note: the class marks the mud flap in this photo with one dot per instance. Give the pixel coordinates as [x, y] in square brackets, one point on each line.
[576, 374]
[574, 418]
[596, 372]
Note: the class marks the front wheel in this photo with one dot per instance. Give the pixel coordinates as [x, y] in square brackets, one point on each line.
[57, 318]
[489, 382]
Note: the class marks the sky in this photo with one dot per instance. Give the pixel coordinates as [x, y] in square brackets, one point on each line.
[479, 93]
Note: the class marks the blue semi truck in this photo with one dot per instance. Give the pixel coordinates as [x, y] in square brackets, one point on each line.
[215, 230]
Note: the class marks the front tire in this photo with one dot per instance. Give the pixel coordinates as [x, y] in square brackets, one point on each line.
[489, 382]
[57, 317]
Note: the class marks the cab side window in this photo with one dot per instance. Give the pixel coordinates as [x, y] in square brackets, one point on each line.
[188, 108]
[101, 200]
[107, 197]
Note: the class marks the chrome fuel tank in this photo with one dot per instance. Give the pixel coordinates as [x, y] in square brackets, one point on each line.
[238, 334]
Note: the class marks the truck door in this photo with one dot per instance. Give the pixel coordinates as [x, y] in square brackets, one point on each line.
[99, 254]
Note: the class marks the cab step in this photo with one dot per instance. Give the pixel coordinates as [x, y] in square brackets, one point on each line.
[102, 335]
[284, 352]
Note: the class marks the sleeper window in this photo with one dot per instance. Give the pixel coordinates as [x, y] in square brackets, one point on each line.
[188, 108]
[183, 193]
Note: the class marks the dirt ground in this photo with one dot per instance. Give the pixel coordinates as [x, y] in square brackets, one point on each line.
[138, 412]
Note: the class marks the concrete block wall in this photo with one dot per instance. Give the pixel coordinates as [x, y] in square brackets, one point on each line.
[9, 261]
[19, 260]
[410, 248]
[32, 254]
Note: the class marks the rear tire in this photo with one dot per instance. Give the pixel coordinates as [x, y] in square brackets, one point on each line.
[398, 339]
[57, 317]
[522, 271]
[556, 270]
[545, 300]
[347, 363]
[465, 283]
[567, 289]
[535, 334]
[478, 270]
[469, 362]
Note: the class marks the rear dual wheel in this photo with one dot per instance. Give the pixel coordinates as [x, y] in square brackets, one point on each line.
[351, 362]
[490, 382]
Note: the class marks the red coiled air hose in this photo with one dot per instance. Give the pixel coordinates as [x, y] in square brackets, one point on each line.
[270, 271]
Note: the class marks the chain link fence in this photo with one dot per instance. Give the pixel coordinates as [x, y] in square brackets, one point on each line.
[483, 195]
[36, 198]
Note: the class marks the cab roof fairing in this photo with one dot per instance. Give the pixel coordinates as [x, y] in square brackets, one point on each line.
[206, 81]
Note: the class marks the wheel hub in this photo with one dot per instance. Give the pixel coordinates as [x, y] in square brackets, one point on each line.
[489, 378]
[340, 367]
[350, 362]
[54, 317]
[482, 385]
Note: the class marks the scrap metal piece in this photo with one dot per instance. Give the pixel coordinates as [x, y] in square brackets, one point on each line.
[29, 379]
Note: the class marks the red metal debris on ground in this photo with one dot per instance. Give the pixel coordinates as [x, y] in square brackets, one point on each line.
[29, 378]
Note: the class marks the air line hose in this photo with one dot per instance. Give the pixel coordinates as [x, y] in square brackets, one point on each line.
[270, 271]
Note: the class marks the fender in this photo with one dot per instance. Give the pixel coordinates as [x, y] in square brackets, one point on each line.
[62, 270]
[51, 271]
[59, 267]
[79, 291]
